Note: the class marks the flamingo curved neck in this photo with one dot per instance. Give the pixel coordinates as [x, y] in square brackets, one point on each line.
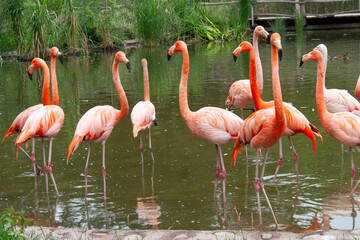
[123, 112]
[320, 102]
[258, 66]
[325, 57]
[279, 110]
[183, 101]
[259, 103]
[46, 85]
[146, 84]
[357, 89]
[54, 87]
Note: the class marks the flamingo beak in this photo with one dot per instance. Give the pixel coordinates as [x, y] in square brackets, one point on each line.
[168, 56]
[235, 57]
[128, 66]
[61, 58]
[280, 54]
[301, 63]
[30, 75]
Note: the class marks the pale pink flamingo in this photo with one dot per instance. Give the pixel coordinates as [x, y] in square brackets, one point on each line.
[343, 126]
[45, 122]
[263, 128]
[212, 124]
[240, 92]
[98, 122]
[357, 89]
[296, 122]
[337, 100]
[18, 123]
[143, 113]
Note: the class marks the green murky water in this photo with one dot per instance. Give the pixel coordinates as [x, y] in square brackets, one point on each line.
[176, 192]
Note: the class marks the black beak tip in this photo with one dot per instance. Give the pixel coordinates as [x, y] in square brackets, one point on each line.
[235, 57]
[168, 57]
[30, 75]
[280, 54]
[268, 39]
[128, 66]
[61, 59]
[301, 63]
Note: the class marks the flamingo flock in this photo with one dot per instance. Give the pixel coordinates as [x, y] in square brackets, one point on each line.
[339, 113]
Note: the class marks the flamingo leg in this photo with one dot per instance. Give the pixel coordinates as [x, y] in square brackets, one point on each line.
[141, 144]
[257, 186]
[45, 167]
[86, 169]
[223, 172]
[49, 167]
[33, 160]
[352, 167]
[217, 173]
[150, 147]
[104, 169]
[263, 189]
[247, 164]
[295, 158]
[342, 157]
[280, 159]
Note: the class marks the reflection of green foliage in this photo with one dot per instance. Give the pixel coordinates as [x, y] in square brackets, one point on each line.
[12, 224]
[299, 24]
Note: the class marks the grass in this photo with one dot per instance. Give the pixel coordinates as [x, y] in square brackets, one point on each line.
[12, 224]
[279, 26]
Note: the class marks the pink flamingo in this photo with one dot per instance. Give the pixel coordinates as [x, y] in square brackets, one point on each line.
[343, 126]
[357, 89]
[212, 124]
[45, 122]
[337, 100]
[143, 113]
[240, 91]
[18, 123]
[98, 122]
[296, 122]
[263, 128]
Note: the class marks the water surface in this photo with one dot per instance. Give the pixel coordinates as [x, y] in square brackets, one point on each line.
[176, 192]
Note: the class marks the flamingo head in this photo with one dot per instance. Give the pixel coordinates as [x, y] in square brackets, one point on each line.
[260, 31]
[275, 41]
[177, 47]
[35, 64]
[121, 57]
[314, 55]
[54, 52]
[144, 62]
[244, 46]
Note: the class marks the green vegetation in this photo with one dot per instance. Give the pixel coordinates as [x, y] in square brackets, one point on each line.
[32, 26]
[12, 224]
[279, 26]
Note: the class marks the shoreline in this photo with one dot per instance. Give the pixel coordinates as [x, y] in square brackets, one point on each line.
[77, 233]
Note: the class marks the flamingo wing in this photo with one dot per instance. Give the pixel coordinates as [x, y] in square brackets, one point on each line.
[20, 120]
[337, 100]
[44, 122]
[142, 116]
[215, 125]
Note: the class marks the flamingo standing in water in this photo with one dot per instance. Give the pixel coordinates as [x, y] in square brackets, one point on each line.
[98, 122]
[143, 113]
[263, 128]
[45, 122]
[240, 91]
[343, 126]
[296, 122]
[212, 124]
[18, 123]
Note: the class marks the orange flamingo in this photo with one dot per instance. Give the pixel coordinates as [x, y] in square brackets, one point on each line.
[296, 122]
[212, 124]
[240, 91]
[263, 128]
[45, 122]
[98, 122]
[357, 89]
[343, 126]
[18, 123]
[143, 113]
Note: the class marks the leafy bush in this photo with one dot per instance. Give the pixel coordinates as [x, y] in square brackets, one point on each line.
[12, 224]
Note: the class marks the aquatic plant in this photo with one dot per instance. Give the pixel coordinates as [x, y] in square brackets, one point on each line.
[299, 24]
[279, 26]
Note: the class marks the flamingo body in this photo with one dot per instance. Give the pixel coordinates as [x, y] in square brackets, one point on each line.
[239, 94]
[142, 116]
[44, 122]
[215, 125]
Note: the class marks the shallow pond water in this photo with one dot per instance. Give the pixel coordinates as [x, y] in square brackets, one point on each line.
[176, 191]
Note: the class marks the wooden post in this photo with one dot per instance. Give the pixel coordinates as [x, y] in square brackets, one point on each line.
[302, 8]
[253, 12]
[297, 7]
